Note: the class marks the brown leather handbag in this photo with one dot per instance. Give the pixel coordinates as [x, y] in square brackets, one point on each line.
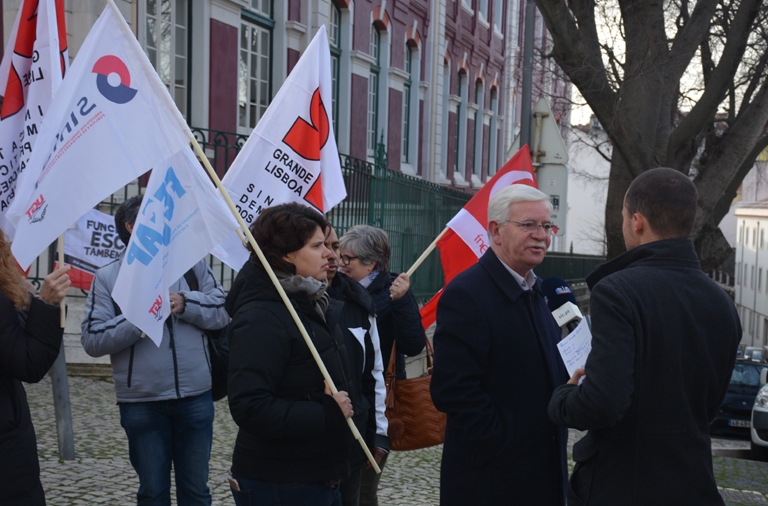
[414, 422]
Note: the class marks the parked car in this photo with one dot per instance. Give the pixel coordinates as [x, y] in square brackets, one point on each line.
[759, 429]
[735, 415]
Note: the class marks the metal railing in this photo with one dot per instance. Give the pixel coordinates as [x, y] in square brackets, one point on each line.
[571, 267]
[412, 212]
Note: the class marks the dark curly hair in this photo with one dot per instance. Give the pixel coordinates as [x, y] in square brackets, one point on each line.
[127, 213]
[283, 229]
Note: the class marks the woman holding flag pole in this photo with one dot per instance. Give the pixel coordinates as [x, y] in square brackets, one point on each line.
[293, 446]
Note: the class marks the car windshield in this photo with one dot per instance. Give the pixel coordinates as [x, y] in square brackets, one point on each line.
[746, 375]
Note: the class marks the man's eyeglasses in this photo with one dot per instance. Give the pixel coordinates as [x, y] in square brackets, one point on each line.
[345, 259]
[532, 226]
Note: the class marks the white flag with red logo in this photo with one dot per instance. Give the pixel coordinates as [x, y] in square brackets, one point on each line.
[182, 216]
[34, 62]
[291, 156]
[111, 121]
[467, 238]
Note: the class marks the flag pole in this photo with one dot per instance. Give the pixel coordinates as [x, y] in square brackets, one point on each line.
[152, 74]
[283, 295]
[62, 304]
[426, 253]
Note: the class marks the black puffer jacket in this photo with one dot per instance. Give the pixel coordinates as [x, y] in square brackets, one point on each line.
[290, 431]
[354, 314]
[27, 350]
[398, 320]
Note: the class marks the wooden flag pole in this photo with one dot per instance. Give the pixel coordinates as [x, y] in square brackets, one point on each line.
[426, 253]
[281, 291]
[62, 304]
[163, 92]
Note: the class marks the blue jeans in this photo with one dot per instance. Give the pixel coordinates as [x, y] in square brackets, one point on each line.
[161, 432]
[265, 493]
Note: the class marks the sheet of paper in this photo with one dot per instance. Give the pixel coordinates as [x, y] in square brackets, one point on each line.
[575, 348]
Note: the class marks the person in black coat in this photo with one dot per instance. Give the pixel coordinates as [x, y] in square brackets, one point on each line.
[356, 316]
[364, 254]
[291, 430]
[496, 366]
[30, 340]
[664, 339]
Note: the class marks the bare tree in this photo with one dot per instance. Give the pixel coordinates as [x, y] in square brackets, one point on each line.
[674, 83]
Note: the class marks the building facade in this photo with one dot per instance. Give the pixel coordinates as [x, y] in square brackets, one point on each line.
[436, 81]
[751, 276]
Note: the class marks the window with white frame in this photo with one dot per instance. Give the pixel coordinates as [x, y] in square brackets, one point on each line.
[334, 40]
[760, 280]
[477, 145]
[752, 277]
[467, 4]
[254, 69]
[263, 7]
[373, 90]
[446, 111]
[407, 104]
[166, 42]
[493, 129]
[459, 137]
[765, 331]
[497, 14]
[483, 8]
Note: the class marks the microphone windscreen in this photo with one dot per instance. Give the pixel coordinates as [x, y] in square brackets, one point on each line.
[557, 292]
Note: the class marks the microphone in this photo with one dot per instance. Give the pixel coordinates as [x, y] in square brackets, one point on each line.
[562, 303]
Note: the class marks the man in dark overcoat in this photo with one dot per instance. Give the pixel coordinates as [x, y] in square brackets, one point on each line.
[664, 339]
[496, 366]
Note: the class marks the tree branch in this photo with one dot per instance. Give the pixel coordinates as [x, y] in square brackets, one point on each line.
[688, 39]
[679, 151]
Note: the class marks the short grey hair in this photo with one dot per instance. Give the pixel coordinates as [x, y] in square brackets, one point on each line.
[502, 200]
[368, 244]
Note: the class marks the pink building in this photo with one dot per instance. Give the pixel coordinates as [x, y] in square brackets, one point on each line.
[437, 81]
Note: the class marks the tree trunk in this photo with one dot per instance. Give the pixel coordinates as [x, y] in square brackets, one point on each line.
[614, 203]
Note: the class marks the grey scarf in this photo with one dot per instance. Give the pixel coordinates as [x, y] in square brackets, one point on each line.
[315, 290]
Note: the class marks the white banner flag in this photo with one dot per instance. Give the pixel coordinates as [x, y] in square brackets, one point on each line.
[91, 244]
[181, 218]
[31, 71]
[291, 156]
[111, 121]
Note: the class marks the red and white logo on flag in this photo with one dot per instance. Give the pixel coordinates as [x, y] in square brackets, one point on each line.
[291, 156]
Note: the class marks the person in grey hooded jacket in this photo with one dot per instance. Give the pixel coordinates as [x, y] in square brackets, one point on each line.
[164, 392]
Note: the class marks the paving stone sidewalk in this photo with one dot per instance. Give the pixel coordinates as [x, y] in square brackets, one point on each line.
[102, 474]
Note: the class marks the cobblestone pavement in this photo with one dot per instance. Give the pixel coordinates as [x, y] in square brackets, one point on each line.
[102, 474]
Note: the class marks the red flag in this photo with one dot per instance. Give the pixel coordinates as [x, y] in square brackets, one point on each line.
[467, 239]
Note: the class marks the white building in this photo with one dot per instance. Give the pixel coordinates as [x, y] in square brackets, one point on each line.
[751, 288]
[588, 173]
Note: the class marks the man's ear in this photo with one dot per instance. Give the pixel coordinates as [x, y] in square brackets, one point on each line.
[129, 227]
[493, 230]
[639, 224]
